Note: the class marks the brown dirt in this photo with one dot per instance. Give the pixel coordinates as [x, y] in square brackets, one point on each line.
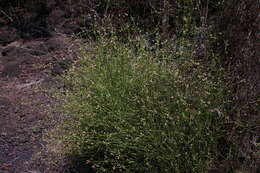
[23, 109]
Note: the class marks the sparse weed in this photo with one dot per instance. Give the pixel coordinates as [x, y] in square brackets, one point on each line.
[132, 112]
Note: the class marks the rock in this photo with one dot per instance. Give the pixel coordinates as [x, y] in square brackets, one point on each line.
[50, 82]
[57, 69]
[60, 67]
[8, 36]
[54, 44]
[11, 59]
[15, 54]
[37, 49]
[14, 51]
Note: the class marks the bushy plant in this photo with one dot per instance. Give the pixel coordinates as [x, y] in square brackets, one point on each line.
[131, 111]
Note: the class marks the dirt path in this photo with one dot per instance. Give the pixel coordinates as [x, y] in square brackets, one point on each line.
[21, 126]
[23, 110]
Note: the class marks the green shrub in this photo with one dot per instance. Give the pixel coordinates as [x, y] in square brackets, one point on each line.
[132, 112]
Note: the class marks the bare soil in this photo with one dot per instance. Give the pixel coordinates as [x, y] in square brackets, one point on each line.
[24, 100]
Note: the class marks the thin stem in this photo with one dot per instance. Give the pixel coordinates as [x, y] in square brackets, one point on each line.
[6, 15]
